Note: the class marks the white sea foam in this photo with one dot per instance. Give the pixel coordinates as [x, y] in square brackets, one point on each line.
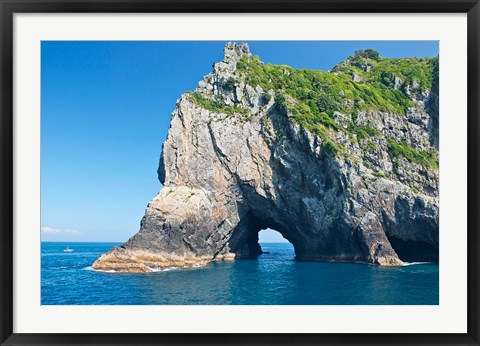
[151, 270]
[101, 271]
[414, 263]
[157, 270]
[166, 269]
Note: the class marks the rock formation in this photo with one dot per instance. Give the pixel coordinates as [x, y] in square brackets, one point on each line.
[344, 168]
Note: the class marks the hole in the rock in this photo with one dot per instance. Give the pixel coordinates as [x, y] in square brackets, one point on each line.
[273, 244]
[411, 251]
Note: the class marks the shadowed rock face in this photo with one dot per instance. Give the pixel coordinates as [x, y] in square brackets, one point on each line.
[228, 175]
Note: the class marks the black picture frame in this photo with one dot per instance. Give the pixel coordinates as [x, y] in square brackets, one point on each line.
[10, 7]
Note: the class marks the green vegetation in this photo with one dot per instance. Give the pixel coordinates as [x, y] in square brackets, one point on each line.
[218, 106]
[331, 147]
[328, 91]
[371, 145]
[367, 54]
[414, 190]
[325, 103]
[380, 70]
[379, 174]
[363, 131]
[402, 149]
[312, 97]
[266, 97]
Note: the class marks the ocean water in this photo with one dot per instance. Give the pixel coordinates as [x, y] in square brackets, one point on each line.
[274, 278]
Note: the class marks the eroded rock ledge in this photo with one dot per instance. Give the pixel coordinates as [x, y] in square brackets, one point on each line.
[239, 158]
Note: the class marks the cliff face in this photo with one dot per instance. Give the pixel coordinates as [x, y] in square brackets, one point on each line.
[344, 164]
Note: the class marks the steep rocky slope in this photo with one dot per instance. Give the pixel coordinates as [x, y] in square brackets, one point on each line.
[344, 164]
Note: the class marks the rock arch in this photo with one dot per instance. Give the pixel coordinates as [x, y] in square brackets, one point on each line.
[227, 176]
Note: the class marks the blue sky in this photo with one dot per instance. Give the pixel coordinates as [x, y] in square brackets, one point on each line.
[105, 112]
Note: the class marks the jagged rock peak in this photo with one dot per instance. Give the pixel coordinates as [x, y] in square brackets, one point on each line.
[234, 51]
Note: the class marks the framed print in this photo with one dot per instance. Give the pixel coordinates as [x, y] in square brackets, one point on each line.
[239, 173]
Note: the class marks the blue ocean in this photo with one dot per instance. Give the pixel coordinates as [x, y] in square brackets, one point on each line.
[275, 278]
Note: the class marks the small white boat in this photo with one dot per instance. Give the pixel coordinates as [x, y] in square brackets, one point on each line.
[68, 250]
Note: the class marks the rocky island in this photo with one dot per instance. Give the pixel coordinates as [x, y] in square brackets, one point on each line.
[344, 164]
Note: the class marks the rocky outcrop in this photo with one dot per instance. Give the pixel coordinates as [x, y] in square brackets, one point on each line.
[235, 162]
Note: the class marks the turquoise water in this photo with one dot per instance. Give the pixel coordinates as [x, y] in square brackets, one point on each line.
[274, 278]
